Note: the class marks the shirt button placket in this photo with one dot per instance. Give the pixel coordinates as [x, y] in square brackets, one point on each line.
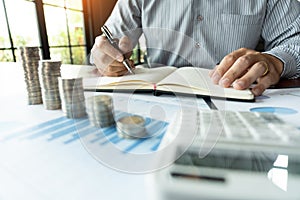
[200, 18]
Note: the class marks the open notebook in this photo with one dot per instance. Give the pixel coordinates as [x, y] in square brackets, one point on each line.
[167, 79]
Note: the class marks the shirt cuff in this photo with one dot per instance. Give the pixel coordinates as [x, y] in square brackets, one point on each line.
[289, 63]
[91, 59]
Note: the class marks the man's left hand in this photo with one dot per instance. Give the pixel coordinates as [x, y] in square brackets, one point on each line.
[243, 67]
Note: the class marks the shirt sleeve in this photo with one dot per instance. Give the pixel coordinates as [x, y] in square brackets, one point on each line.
[125, 19]
[281, 33]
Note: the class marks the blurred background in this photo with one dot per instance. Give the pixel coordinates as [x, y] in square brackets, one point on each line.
[63, 29]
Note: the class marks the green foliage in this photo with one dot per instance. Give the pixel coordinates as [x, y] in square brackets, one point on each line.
[2, 41]
[136, 52]
[78, 53]
[21, 41]
[5, 56]
[60, 53]
[59, 42]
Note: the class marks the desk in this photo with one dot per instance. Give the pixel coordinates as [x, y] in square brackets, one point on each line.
[38, 167]
[286, 83]
[41, 168]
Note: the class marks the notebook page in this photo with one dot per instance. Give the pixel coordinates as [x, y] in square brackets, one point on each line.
[193, 79]
[141, 76]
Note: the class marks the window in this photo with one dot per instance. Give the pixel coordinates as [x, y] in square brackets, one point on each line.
[5, 52]
[64, 25]
[65, 30]
[15, 32]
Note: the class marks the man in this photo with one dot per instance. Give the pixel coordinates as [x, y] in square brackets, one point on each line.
[219, 34]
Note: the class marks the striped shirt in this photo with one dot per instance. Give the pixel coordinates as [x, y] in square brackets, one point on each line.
[201, 32]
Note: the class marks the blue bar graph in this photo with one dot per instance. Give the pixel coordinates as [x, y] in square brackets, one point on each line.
[67, 131]
[38, 127]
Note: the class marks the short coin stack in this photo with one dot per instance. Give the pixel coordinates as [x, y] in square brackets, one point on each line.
[72, 97]
[131, 127]
[30, 60]
[100, 111]
[49, 73]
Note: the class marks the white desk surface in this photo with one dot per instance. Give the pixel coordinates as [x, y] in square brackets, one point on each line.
[41, 168]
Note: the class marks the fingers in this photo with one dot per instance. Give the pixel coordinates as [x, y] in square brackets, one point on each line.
[255, 71]
[243, 67]
[109, 59]
[225, 65]
[115, 69]
[266, 80]
[103, 45]
[262, 84]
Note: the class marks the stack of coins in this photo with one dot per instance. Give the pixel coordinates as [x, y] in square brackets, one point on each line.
[131, 127]
[49, 73]
[100, 111]
[72, 97]
[30, 60]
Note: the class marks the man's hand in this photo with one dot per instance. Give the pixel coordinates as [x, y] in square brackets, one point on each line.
[107, 59]
[243, 67]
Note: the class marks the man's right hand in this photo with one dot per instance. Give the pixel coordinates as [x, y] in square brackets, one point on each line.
[107, 59]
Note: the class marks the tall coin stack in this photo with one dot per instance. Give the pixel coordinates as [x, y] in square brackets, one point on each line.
[49, 73]
[72, 97]
[30, 60]
[100, 111]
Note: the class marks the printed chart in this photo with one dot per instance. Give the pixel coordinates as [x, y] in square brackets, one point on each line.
[70, 130]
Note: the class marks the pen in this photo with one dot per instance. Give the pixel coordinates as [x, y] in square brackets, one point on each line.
[111, 40]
